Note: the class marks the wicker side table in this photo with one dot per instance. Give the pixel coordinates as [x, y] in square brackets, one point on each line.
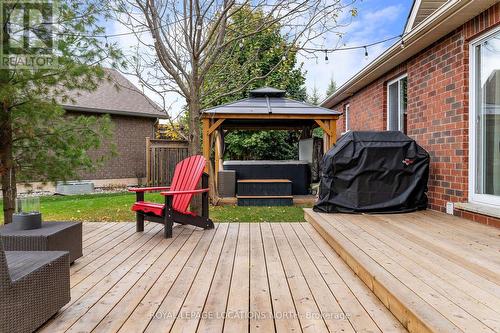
[52, 236]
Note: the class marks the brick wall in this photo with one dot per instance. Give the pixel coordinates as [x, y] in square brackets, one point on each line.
[437, 107]
[367, 105]
[129, 140]
[480, 218]
[438, 116]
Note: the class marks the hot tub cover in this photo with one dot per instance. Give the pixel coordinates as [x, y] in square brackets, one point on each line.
[298, 172]
[374, 172]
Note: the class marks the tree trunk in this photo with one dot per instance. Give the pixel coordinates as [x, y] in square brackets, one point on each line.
[194, 127]
[194, 147]
[7, 171]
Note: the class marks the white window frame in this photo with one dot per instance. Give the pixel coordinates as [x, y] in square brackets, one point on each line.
[401, 117]
[347, 117]
[486, 199]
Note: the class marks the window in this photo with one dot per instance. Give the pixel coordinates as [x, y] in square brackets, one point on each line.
[347, 117]
[484, 120]
[396, 104]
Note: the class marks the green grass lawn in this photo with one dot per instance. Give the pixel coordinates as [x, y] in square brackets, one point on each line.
[116, 207]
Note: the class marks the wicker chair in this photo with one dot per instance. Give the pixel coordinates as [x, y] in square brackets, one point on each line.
[34, 285]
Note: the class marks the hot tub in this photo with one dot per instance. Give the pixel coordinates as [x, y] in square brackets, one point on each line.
[297, 171]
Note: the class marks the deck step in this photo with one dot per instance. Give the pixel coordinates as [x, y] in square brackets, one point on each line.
[264, 187]
[407, 306]
[265, 200]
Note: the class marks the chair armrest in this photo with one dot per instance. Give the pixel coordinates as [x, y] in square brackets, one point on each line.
[169, 193]
[148, 189]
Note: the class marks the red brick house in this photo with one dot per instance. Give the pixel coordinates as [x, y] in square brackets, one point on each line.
[134, 117]
[441, 86]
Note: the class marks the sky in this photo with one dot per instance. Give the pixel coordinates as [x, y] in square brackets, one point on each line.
[376, 20]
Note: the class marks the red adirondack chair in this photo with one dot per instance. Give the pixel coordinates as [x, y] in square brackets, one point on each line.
[178, 196]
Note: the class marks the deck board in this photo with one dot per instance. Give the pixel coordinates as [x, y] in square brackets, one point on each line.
[384, 320]
[286, 319]
[426, 262]
[359, 318]
[414, 277]
[86, 294]
[216, 300]
[260, 296]
[264, 277]
[195, 300]
[305, 304]
[157, 259]
[447, 246]
[239, 291]
[171, 308]
[336, 319]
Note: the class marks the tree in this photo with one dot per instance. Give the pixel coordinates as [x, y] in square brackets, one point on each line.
[250, 58]
[315, 97]
[168, 131]
[36, 141]
[244, 60]
[261, 145]
[332, 86]
[189, 39]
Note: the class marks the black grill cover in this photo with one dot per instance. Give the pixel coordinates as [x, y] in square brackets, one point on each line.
[374, 172]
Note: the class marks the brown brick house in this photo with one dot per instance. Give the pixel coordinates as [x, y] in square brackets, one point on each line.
[134, 117]
[441, 86]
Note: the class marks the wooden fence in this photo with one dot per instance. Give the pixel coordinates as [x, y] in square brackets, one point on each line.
[161, 159]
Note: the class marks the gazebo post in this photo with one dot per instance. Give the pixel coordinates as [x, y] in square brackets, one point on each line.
[329, 132]
[329, 127]
[206, 141]
[211, 130]
[333, 132]
[218, 153]
[326, 140]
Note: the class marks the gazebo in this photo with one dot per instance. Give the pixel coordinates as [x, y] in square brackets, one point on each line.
[265, 109]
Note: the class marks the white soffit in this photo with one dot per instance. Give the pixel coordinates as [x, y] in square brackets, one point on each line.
[421, 10]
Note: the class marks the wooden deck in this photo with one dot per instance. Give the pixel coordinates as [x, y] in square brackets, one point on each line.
[264, 277]
[435, 272]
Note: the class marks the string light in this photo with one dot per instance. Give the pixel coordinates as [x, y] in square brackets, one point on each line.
[121, 34]
[312, 50]
[199, 27]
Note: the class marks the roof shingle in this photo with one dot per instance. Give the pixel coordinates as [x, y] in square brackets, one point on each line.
[115, 96]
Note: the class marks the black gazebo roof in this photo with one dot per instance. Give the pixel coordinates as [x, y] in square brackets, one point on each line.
[266, 109]
[267, 101]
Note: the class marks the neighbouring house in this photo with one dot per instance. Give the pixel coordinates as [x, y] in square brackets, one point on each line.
[134, 117]
[441, 86]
